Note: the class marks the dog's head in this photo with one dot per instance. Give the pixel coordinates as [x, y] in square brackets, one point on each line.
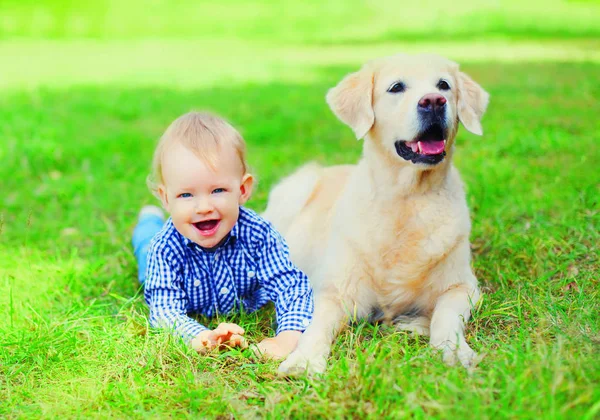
[411, 105]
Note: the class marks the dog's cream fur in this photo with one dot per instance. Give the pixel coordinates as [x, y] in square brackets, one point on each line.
[385, 234]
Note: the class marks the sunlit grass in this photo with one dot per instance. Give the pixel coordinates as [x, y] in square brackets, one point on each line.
[75, 342]
[191, 64]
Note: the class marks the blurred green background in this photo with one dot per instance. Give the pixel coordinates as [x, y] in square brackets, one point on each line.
[86, 89]
[311, 21]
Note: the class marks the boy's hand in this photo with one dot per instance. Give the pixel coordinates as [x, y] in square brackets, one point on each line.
[224, 334]
[279, 346]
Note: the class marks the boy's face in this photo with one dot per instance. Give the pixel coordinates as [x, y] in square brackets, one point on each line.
[204, 203]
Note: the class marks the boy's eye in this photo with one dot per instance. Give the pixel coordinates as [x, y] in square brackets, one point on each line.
[185, 195]
[218, 190]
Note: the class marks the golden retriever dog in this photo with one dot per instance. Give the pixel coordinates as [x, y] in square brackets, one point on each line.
[389, 235]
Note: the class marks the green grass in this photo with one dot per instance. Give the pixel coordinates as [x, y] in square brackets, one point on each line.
[79, 122]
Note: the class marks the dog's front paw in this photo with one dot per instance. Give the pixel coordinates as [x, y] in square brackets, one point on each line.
[298, 363]
[458, 353]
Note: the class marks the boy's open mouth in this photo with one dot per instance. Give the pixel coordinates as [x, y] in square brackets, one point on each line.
[207, 227]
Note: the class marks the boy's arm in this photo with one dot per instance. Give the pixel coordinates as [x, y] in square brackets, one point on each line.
[165, 295]
[168, 305]
[287, 286]
[290, 289]
[169, 312]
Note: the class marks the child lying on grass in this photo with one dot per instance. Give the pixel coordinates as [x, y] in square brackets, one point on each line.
[213, 255]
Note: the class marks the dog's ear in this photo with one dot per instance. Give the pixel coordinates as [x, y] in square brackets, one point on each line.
[352, 101]
[472, 102]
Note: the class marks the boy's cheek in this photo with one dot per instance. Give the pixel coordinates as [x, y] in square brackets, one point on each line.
[178, 210]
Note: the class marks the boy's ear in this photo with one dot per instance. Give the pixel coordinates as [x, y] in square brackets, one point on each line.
[162, 192]
[246, 188]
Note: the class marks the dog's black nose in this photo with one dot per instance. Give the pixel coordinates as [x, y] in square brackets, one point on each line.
[432, 102]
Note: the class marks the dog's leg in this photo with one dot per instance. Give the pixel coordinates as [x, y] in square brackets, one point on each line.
[417, 325]
[451, 313]
[315, 344]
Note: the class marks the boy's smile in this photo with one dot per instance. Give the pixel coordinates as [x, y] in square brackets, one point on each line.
[203, 199]
[207, 227]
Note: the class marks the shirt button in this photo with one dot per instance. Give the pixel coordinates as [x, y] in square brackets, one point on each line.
[251, 274]
[305, 322]
[216, 256]
[197, 283]
[224, 290]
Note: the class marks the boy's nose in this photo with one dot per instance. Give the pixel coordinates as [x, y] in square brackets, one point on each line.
[203, 205]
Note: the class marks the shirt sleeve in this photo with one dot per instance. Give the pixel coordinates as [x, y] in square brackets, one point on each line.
[166, 298]
[286, 285]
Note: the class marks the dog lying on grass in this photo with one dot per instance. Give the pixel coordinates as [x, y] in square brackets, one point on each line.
[390, 234]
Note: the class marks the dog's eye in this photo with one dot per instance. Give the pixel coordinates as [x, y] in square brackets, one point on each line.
[443, 85]
[397, 87]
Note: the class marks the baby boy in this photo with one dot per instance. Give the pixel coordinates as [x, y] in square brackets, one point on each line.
[213, 255]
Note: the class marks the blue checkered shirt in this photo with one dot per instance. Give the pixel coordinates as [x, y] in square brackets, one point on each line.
[251, 268]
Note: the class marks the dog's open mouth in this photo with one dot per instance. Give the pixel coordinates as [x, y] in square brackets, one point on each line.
[428, 147]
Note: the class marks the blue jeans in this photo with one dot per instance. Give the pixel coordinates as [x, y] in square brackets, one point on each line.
[147, 227]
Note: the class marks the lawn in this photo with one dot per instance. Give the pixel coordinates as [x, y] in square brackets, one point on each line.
[84, 95]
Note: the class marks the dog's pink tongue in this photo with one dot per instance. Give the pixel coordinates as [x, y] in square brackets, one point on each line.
[432, 147]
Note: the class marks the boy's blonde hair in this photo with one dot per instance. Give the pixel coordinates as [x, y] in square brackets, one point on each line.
[203, 134]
